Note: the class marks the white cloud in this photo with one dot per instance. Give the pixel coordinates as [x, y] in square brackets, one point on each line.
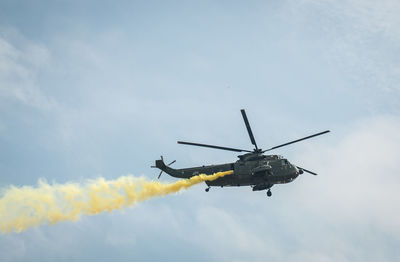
[336, 216]
[358, 182]
[358, 37]
[365, 15]
[332, 217]
[374, 16]
[228, 233]
[20, 63]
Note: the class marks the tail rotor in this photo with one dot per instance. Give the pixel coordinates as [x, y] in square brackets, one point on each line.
[162, 159]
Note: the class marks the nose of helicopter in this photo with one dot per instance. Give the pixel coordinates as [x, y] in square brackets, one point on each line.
[298, 170]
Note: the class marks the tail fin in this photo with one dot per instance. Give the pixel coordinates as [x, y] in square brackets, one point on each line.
[160, 164]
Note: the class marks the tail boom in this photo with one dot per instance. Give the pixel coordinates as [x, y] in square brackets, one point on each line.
[192, 171]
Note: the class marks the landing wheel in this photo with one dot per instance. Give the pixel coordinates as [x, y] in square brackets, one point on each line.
[269, 193]
[207, 189]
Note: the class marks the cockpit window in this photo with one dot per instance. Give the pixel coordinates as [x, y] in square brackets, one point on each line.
[284, 162]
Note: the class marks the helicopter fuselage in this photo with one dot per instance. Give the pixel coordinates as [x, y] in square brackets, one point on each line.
[252, 169]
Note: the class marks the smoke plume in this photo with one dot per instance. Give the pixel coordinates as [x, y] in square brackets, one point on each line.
[24, 207]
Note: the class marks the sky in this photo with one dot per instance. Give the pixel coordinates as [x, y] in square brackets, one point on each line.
[94, 89]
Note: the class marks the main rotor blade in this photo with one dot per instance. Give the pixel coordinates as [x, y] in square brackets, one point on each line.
[298, 140]
[216, 147]
[308, 171]
[246, 121]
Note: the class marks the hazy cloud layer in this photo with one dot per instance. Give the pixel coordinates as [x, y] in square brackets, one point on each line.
[19, 66]
[88, 92]
[361, 39]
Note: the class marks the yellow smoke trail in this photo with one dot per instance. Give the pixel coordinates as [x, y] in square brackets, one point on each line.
[24, 207]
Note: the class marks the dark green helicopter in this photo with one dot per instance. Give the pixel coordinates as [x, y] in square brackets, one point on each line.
[253, 169]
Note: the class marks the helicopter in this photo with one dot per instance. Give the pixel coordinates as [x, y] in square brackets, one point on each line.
[253, 168]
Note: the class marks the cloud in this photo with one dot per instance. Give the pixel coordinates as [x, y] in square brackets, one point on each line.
[365, 16]
[339, 215]
[370, 159]
[229, 233]
[372, 16]
[360, 38]
[357, 190]
[20, 63]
